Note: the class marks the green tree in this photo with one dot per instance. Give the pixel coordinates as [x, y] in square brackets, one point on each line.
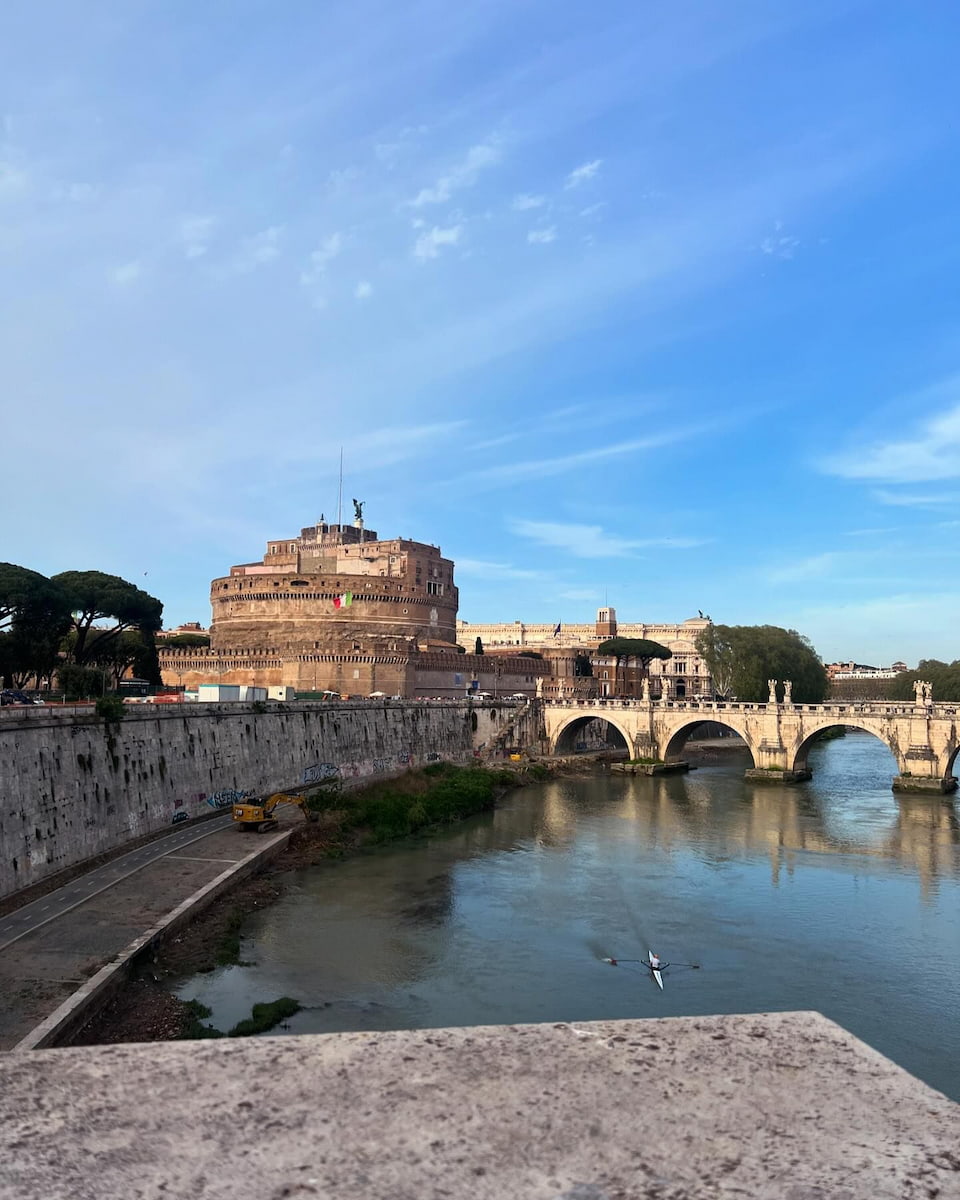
[81, 683]
[131, 650]
[187, 640]
[34, 615]
[741, 658]
[945, 678]
[642, 650]
[94, 596]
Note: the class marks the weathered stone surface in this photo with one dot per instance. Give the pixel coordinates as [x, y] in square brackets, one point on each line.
[775, 1106]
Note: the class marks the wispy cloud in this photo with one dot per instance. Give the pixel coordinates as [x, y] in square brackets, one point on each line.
[915, 499]
[542, 468]
[580, 594]
[463, 175]
[805, 568]
[494, 570]
[195, 233]
[127, 273]
[13, 179]
[524, 202]
[386, 445]
[779, 244]
[590, 541]
[429, 244]
[875, 532]
[540, 237]
[581, 174]
[363, 290]
[930, 452]
[315, 268]
[259, 250]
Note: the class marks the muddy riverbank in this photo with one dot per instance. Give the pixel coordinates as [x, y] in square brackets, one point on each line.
[147, 1010]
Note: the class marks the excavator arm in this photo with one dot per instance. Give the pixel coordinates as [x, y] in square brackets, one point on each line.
[258, 814]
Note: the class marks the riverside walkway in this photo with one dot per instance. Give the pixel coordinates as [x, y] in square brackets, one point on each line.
[53, 949]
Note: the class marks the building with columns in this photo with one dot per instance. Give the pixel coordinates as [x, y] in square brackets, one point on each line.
[565, 646]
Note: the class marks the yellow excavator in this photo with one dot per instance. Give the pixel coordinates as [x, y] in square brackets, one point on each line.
[258, 813]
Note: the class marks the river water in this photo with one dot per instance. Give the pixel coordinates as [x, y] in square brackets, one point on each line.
[836, 895]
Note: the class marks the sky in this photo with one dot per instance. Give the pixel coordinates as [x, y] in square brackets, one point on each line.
[636, 304]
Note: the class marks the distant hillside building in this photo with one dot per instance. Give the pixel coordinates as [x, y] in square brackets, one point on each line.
[859, 681]
[339, 608]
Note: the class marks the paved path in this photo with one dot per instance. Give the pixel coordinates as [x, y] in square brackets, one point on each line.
[48, 908]
[58, 942]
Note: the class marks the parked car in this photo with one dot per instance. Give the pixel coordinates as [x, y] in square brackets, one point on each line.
[14, 696]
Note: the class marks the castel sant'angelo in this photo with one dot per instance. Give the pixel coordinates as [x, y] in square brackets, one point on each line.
[340, 609]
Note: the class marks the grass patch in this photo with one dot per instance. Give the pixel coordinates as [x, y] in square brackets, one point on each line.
[194, 1029]
[265, 1016]
[645, 761]
[396, 808]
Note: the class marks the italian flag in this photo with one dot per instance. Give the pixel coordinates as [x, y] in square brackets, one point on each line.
[343, 601]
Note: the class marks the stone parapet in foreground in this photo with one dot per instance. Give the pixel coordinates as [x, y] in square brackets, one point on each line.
[786, 1106]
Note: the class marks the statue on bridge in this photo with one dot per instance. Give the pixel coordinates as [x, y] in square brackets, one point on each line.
[788, 691]
[664, 690]
[924, 691]
[772, 685]
[646, 687]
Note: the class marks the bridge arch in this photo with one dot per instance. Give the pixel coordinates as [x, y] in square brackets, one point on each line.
[797, 758]
[565, 740]
[671, 749]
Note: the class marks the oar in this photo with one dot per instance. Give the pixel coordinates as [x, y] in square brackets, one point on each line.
[615, 962]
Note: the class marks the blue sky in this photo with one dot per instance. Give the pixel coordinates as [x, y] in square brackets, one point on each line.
[646, 303]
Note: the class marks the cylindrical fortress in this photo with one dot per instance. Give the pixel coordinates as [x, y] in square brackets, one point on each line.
[337, 589]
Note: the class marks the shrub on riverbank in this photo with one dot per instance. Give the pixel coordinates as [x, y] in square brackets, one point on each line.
[398, 807]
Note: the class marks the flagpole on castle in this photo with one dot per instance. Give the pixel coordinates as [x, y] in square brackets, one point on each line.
[340, 501]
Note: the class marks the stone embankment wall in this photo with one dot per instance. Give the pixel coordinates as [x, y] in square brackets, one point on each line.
[72, 788]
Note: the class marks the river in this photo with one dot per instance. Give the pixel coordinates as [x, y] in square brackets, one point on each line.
[836, 895]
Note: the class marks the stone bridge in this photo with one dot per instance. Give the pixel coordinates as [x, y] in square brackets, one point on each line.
[923, 736]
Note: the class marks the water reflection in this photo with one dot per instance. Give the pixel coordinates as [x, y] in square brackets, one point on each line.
[505, 917]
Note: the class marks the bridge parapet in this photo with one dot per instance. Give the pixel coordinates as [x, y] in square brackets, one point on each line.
[922, 736]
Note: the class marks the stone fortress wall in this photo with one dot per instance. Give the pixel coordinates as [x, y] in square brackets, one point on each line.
[400, 590]
[74, 787]
[413, 674]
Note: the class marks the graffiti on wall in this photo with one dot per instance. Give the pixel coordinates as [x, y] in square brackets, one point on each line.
[320, 771]
[381, 764]
[403, 757]
[225, 797]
